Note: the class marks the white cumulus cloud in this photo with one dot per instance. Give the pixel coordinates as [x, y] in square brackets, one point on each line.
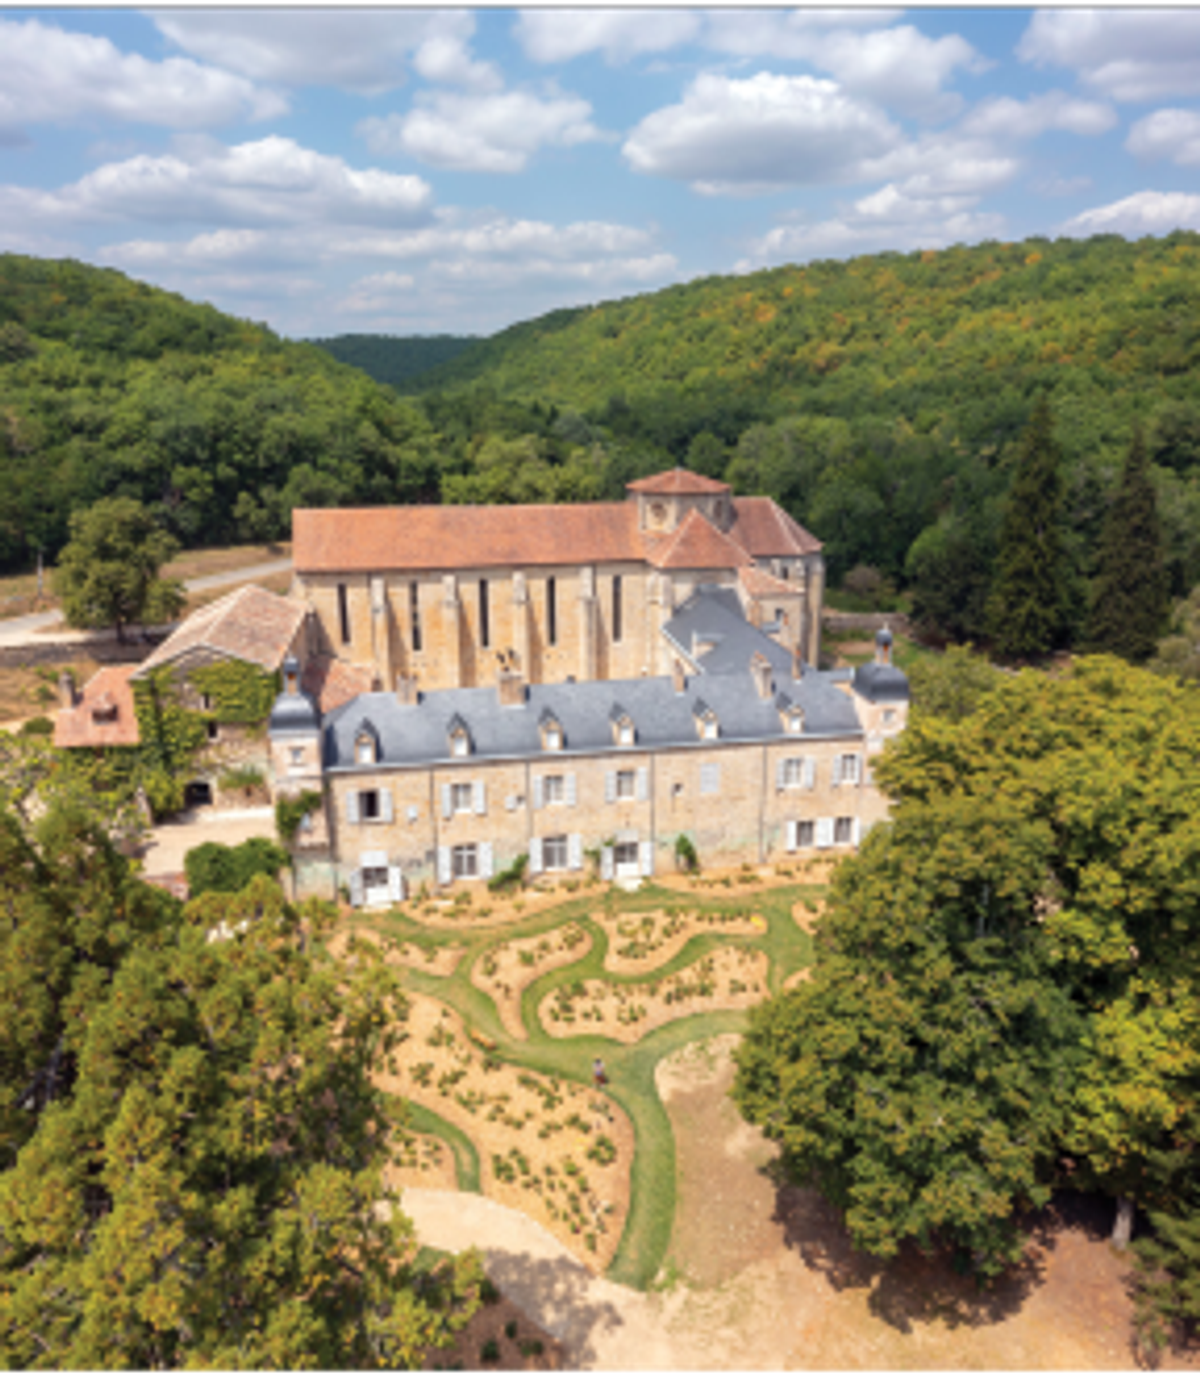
[481, 133]
[273, 181]
[1005, 118]
[1145, 212]
[762, 133]
[366, 51]
[1171, 134]
[1127, 54]
[50, 74]
[554, 35]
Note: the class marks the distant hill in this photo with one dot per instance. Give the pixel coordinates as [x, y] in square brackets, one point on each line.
[111, 386]
[395, 361]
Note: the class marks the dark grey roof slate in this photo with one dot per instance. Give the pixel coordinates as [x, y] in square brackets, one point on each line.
[714, 614]
[418, 734]
[881, 683]
[293, 711]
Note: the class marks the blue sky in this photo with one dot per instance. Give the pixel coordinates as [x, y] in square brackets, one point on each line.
[425, 171]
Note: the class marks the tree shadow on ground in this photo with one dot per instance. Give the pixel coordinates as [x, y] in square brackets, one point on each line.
[915, 1287]
[557, 1295]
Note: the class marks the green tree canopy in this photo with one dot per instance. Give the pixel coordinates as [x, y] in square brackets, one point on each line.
[109, 572]
[1027, 609]
[1006, 973]
[1129, 597]
[192, 1143]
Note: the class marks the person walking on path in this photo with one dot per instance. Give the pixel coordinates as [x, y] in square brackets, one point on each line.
[599, 1078]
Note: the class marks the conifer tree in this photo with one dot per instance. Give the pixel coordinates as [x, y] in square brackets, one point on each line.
[1026, 612]
[1129, 598]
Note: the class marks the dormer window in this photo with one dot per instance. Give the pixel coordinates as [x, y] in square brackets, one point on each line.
[366, 745]
[623, 728]
[706, 722]
[460, 738]
[552, 731]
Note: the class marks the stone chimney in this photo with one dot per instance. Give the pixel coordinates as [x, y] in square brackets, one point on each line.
[797, 662]
[406, 689]
[678, 676]
[510, 687]
[67, 696]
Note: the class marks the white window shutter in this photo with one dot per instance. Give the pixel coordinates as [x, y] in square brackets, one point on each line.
[860, 767]
[352, 808]
[480, 798]
[610, 786]
[792, 842]
[445, 870]
[643, 784]
[780, 775]
[539, 794]
[535, 855]
[356, 888]
[810, 772]
[574, 852]
[824, 832]
[856, 831]
[485, 859]
[447, 801]
[386, 812]
[647, 852]
[395, 884]
[571, 792]
[836, 776]
[607, 863]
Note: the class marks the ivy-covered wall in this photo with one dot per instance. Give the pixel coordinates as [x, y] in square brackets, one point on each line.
[242, 694]
[171, 734]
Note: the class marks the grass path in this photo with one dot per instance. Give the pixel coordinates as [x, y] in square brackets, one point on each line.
[630, 1068]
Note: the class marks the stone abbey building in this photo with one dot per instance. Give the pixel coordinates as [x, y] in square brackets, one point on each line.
[566, 681]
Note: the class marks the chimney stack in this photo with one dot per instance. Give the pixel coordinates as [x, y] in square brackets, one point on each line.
[760, 667]
[678, 677]
[406, 689]
[66, 690]
[510, 687]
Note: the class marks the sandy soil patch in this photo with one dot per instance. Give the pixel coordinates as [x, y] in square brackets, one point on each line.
[559, 1152]
[807, 912]
[441, 960]
[475, 908]
[506, 970]
[640, 941]
[726, 979]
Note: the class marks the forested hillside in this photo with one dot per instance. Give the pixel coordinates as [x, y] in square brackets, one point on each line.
[397, 362]
[881, 401]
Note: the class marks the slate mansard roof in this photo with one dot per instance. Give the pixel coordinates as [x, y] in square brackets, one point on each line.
[418, 735]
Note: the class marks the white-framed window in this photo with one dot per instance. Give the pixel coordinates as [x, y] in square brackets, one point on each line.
[709, 729]
[375, 876]
[460, 746]
[462, 797]
[552, 739]
[554, 789]
[364, 750]
[625, 852]
[368, 804]
[295, 758]
[847, 768]
[554, 852]
[710, 778]
[843, 830]
[798, 771]
[792, 773]
[464, 861]
[625, 732]
[806, 835]
[626, 784]
[889, 716]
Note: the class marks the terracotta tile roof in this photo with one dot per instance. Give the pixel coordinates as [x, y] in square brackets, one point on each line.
[697, 543]
[676, 482]
[764, 529]
[251, 624]
[77, 727]
[448, 538]
[330, 682]
[761, 584]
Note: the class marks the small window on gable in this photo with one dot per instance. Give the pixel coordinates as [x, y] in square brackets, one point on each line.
[364, 749]
[460, 738]
[623, 728]
[552, 731]
[707, 724]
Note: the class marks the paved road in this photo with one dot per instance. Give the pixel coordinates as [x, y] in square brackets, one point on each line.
[31, 629]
